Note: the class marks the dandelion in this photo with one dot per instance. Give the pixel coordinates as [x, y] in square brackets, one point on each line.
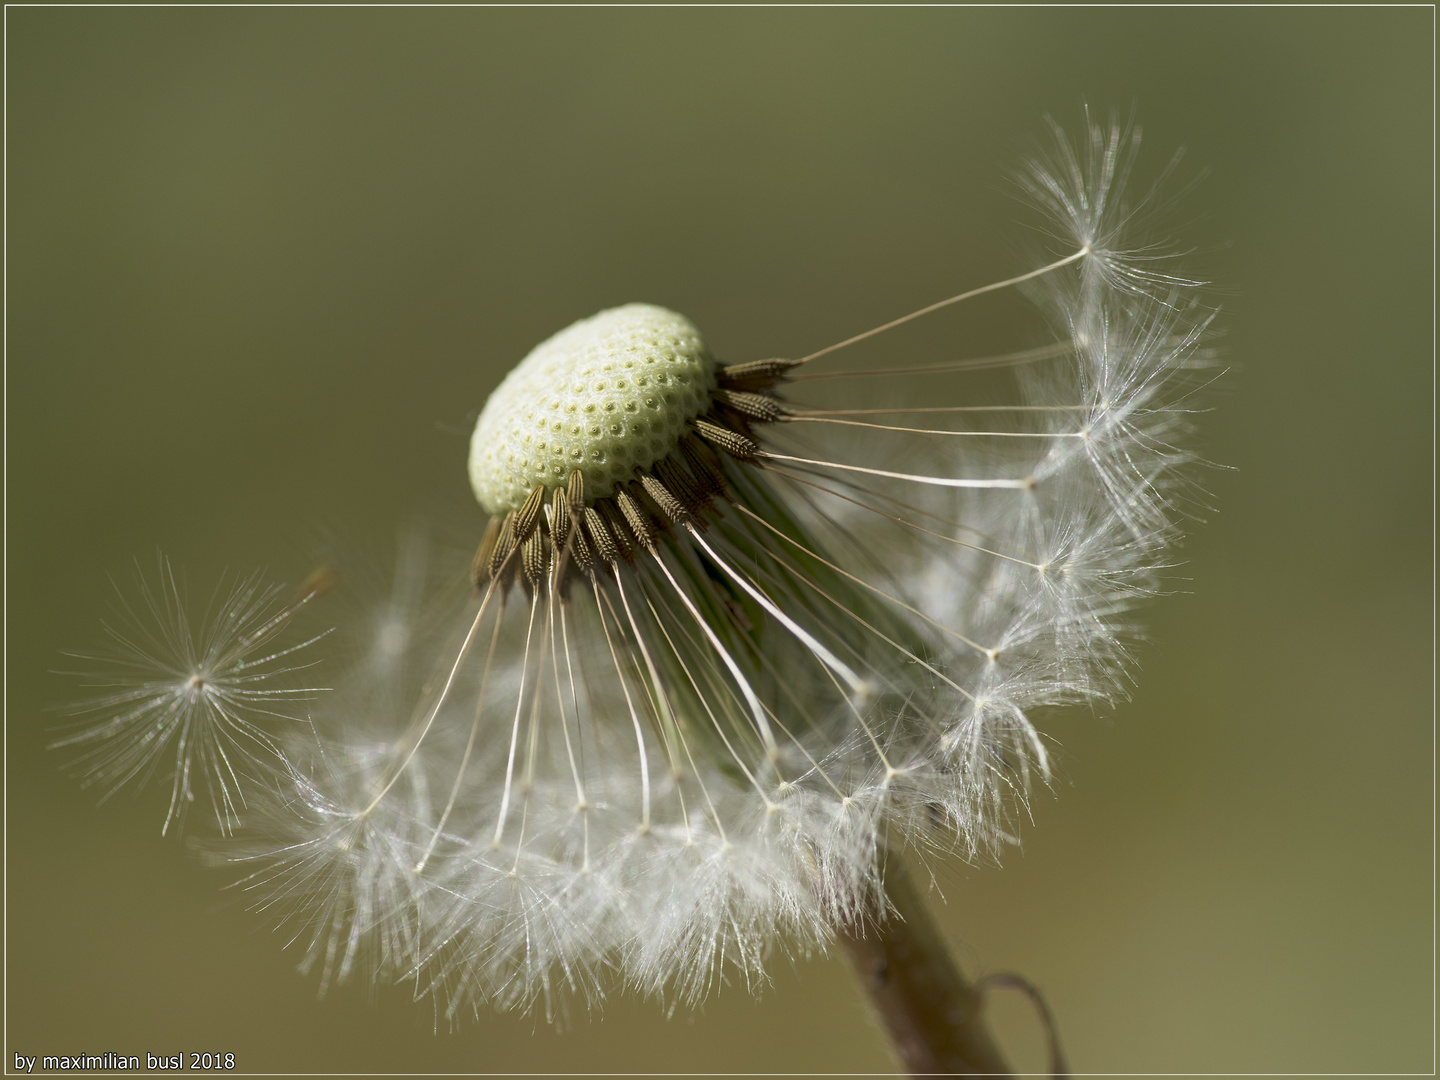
[736, 634]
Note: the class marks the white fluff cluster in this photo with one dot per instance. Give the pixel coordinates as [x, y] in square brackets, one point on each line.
[655, 744]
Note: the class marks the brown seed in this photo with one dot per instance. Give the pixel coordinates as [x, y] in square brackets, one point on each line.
[600, 535]
[761, 407]
[528, 516]
[754, 375]
[669, 505]
[636, 519]
[504, 545]
[732, 442]
[480, 567]
[691, 492]
[533, 558]
[559, 518]
[708, 468]
[614, 519]
[580, 549]
[575, 490]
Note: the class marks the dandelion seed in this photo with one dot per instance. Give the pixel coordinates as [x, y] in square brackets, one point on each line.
[732, 634]
[203, 692]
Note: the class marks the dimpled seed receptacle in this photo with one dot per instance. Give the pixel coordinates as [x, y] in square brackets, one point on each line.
[608, 395]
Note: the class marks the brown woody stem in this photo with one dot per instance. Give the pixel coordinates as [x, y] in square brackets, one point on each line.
[934, 1018]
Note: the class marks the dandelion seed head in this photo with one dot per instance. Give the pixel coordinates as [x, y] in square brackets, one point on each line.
[728, 638]
[607, 395]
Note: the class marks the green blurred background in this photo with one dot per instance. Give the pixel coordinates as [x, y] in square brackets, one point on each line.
[265, 264]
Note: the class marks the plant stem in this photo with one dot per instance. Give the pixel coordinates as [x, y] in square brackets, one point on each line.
[934, 1018]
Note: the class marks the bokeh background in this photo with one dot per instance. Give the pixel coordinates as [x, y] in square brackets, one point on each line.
[265, 264]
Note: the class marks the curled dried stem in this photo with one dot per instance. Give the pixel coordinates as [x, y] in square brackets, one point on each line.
[933, 1016]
